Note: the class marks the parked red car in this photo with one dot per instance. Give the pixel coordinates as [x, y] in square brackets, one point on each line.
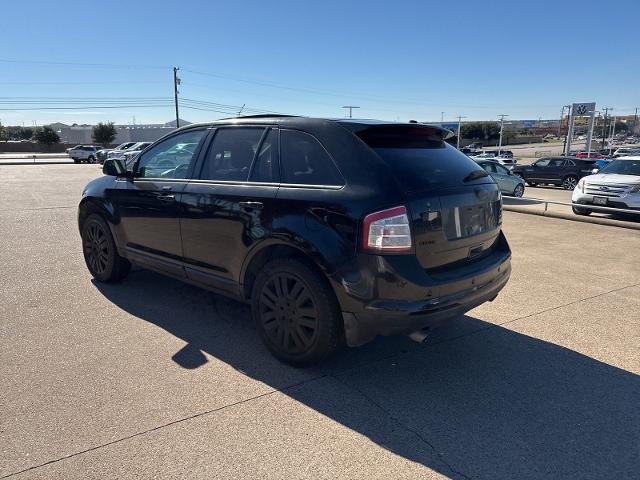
[589, 155]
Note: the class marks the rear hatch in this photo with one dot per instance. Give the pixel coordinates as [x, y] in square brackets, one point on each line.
[455, 206]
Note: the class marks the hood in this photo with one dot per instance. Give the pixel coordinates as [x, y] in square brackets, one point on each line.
[613, 179]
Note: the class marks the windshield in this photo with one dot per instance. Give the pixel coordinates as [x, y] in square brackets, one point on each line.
[623, 167]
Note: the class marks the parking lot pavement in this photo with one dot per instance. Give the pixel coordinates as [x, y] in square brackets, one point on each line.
[152, 378]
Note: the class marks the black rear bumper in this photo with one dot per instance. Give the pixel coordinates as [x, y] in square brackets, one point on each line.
[457, 294]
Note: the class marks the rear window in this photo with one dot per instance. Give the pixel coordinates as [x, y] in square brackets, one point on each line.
[419, 158]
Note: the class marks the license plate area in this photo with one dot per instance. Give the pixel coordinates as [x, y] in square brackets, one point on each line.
[600, 200]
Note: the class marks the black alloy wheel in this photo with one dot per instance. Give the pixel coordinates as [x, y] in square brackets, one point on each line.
[288, 313]
[296, 312]
[97, 250]
[100, 253]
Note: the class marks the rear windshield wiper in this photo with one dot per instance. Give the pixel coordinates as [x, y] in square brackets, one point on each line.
[476, 174]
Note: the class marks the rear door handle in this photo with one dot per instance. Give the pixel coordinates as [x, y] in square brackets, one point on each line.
[166, 198]
[253, 205]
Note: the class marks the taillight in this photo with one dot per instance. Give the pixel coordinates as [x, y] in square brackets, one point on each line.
[387, 231]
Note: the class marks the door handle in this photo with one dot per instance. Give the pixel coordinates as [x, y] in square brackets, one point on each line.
[166, 198]
[252, 205]
[167, 188]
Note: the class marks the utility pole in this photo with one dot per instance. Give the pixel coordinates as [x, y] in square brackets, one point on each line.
[501, 128]
[460, 117]
[350, 107]
[604, 125]
[635, 121]
[176, 82]
[441, 118]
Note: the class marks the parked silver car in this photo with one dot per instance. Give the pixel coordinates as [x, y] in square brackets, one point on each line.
[509, 183]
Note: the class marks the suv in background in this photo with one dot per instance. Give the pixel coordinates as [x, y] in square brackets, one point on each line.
[102, 154]
[617, 185]
[333, 230]
[83, 153]
[560, 171]
[135, 147]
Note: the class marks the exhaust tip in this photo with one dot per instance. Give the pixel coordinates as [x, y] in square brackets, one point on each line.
[419, 336]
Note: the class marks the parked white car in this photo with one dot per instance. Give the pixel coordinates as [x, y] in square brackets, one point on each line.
[83, 153]
[616, 185]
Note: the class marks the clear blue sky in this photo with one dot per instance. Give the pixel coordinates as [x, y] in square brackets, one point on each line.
[397, 60]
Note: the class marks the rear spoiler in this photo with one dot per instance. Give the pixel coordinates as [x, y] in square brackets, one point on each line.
[422, 130]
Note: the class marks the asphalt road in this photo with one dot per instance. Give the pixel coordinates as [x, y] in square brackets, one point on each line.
[151, 378]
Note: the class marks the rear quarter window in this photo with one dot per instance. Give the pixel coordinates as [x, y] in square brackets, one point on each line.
[419, 158]
[304, 160]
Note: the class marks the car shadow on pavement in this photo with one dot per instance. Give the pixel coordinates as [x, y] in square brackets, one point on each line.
[477, 400]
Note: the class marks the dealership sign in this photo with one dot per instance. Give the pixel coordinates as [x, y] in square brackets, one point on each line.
[583, 109]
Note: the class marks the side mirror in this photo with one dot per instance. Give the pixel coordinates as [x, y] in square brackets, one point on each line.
[594, 171]
[114, 167]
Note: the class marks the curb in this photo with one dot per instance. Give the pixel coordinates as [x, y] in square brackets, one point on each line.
[574, 218]
[37, 162]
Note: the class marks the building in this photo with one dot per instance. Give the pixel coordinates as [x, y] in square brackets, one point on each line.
[81, 134]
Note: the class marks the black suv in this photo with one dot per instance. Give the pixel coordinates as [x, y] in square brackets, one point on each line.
[333, 230]
[561, 171]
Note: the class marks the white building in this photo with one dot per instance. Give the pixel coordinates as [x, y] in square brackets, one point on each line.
[81, 134]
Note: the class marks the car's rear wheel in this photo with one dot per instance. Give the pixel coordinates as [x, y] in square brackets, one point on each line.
[100, 252]
[76, 160]
[296, 312]
[531, 184]
[581, 211]
[569, 182]
[91, 159]
[519, 190]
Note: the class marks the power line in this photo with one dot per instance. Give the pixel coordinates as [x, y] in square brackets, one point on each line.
[81, 64]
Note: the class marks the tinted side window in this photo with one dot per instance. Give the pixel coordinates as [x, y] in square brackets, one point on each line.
[305, 161]
[489, 167]
[265, 168]
[500, 169]
[231, 154]
[543, 163]
[170, 158]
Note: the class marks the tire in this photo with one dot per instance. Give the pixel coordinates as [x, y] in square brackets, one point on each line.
[282, 290]
[569, 182]
[100, 252]
[91, 159]
[75, 160]
[519, 190]
[581, 211]
[531, 184]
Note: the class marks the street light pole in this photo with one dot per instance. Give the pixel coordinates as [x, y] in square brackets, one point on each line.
[501, 129]
[176, 82]
[460, 117]
[350, 107]
[604, 124]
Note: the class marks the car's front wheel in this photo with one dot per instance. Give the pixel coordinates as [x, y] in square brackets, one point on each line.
[569, 182]
[100, 252]
[581, 211]
[296, 312]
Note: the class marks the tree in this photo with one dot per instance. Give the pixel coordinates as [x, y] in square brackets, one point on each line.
[2, 133]
[46, 136]
[480, 130]
[103, 133]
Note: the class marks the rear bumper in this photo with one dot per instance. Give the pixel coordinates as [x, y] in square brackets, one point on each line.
[424, 302]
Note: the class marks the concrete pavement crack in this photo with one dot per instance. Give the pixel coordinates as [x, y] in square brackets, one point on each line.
[404, 426]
